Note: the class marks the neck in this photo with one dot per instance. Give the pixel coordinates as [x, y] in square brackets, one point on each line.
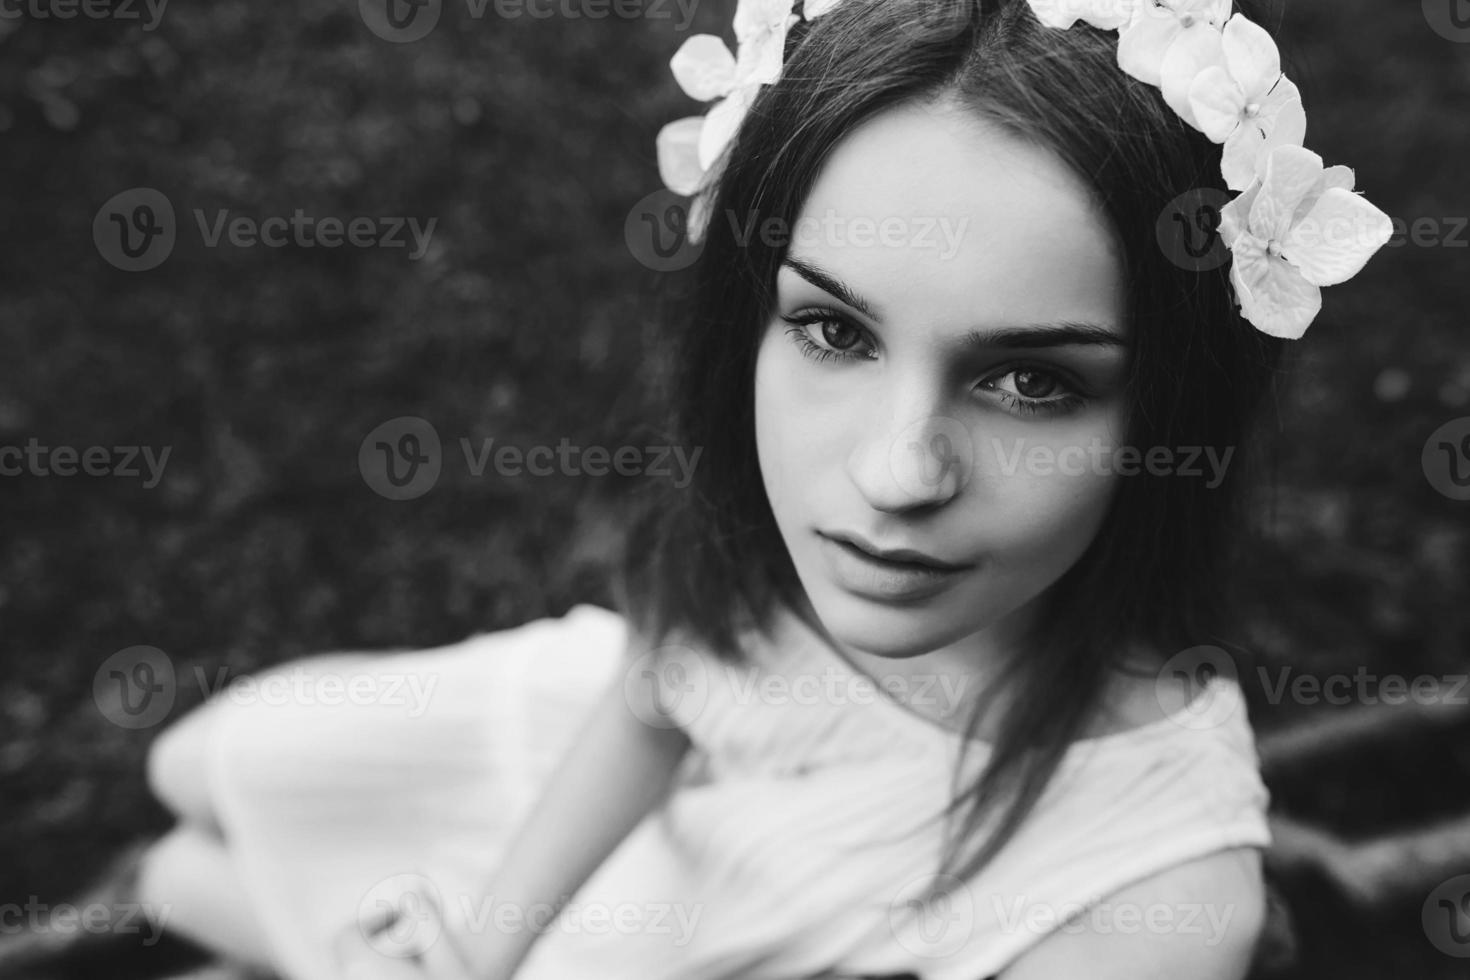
[942, 684]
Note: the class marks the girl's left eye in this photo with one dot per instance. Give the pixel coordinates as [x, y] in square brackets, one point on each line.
[1034, 389]
[836, 331]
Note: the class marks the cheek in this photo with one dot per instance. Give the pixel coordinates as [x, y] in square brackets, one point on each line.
[786, 427]
[1047, 497]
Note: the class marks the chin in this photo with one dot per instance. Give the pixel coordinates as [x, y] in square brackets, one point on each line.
[894, 630]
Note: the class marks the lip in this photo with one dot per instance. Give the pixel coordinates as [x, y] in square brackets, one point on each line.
[877, 578]
[899, 556]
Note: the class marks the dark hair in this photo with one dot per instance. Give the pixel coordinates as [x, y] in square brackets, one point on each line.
[710, 560]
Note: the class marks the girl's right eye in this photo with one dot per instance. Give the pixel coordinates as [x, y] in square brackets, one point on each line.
[837, 333]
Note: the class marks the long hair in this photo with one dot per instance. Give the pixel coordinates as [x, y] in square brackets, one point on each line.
[709, 560]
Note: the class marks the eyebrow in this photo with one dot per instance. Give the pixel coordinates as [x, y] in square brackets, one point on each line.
[1026, 335]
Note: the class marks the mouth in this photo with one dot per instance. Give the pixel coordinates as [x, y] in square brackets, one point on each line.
[899, 558]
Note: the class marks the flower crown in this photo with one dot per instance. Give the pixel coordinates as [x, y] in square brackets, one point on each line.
[1294, 226]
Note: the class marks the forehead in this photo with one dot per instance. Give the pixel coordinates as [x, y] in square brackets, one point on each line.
[984, 228]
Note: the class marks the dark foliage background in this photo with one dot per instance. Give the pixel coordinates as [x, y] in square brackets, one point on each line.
[529, 140]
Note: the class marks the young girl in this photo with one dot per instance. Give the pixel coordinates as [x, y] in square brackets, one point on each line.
[919, 675]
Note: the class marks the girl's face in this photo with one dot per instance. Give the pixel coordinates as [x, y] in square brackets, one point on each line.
[944, 374]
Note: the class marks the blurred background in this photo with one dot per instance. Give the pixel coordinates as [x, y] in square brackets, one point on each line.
[522, 315]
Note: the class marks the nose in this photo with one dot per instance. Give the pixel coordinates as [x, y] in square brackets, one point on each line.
[914, 458]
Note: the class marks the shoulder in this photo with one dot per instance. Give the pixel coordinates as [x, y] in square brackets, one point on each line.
[1141, 693]
[1199, 919]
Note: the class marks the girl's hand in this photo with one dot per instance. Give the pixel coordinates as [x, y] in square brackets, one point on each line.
[400, 937]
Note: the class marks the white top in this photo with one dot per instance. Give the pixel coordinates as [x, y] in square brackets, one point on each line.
[798, 829]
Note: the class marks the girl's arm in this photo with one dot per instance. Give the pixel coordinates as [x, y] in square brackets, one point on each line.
[616, 770]
[1144, 935]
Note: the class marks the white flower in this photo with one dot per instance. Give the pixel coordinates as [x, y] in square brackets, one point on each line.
[816, 8]
[1106, 15]
[678, 155]
[704, 67]
[706, 70]
[1296, 228]
[1243, 101]
[689, 148]
[1155, 29]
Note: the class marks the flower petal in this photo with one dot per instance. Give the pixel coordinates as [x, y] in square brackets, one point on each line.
[704, 67]
[1282, 116]
[813, 9]
[1217, 12]
[1145, 40]
[1106, 15]
[1339, 176]
[1291, 173]
[1336, 238]
[1193, 50]
[1217, 103]
[1251, 56]
[1235, 212]
[1213, 12]
[678, 154]
[1273, 296]
[1241, 158]
[754, 17]
[722, 122]
[760, 58]
[697, 219]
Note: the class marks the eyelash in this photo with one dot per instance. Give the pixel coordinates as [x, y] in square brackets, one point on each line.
[797, 331]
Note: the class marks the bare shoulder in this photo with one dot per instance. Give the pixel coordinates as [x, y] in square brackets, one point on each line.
[1201, 919]
[1142, 695]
